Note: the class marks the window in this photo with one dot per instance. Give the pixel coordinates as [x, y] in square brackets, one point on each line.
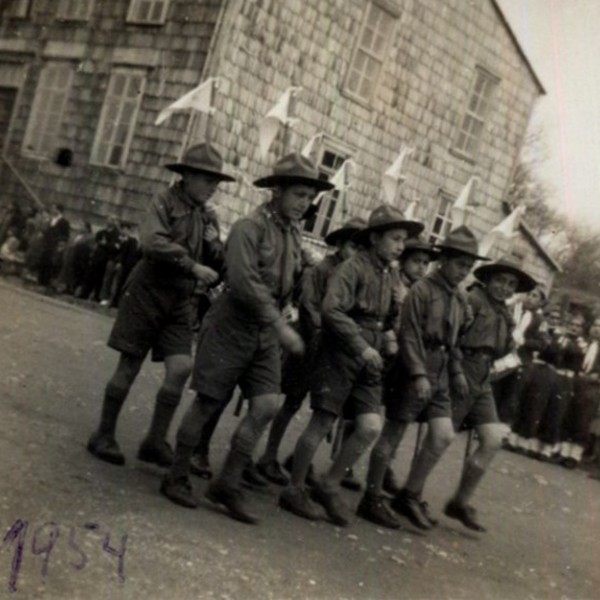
[442, 221]
[46, 114]
[75, 10]
[117, 121]
[370, 52]
[321, 222]
[148, 11]
[477, 111]
[20, 8]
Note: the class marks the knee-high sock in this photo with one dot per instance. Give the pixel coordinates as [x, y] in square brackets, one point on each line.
[114, 398]
[164, 409]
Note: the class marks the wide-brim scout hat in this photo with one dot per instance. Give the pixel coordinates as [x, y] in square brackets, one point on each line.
[201, 158]
[384, 218]
[461, 241]
[506, 265]
[294, 169]
[419, 245]
[348, 230]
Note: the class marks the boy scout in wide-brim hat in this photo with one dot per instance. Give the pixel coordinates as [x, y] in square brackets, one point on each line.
[294, 169]
[526, 283]
[385, 218]
[460, 241]
[201, 158]
[243, 332]
[417, 244]
[347, 231]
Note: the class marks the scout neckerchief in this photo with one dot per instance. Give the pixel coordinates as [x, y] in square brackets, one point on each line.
[455, 313]
[505, 323]
[290, 234]
[195, 206]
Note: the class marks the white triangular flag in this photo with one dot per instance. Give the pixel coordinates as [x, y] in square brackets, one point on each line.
[410, 212]
[341, 178]
[393, 177]
[312, 146]
[507, 229]
[460, 207]
[274, 119]
[199, 99]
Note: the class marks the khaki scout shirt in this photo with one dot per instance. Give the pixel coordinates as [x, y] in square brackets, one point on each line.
[263, 258]
[359, 295]
[172, 234]
[491, 327]
[433, 315]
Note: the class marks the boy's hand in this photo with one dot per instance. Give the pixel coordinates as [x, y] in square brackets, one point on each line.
[289, 338]
[211, 233]
[204, 275]
[372, 358]
[423, 388]
[460, 385]
[390, 348]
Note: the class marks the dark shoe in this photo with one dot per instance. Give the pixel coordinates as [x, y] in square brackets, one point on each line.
[160, 454]
[409, 505]
[569, 463]
[105, 448]
[350, 482]
[425, 510]
[200, 466]
[179, 491]
[467, 515]
[372, 508]
[296, 501]
[252, 477]
[390, 483]
[332, 503]
[232, 499]
[273, 472]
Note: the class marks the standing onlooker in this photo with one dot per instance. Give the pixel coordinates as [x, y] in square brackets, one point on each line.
[76, 260]
[55, 237]
[106, 249]
[129, 254]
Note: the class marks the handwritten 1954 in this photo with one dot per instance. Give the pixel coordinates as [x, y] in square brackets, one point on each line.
[45, 537]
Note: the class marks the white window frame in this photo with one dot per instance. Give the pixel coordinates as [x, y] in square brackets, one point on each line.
[48, 108]
[330, 205]
[472, 128]
[441, 223]
[20, 9]
[75, 10]
[104, 141]
[366, 59]
[136, 11]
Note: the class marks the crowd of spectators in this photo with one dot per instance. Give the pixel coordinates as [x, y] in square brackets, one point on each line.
[41, 246]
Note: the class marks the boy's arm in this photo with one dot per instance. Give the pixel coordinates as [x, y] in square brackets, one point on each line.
[411, 343]
[339, 300]
[155, 237]
[244, 278]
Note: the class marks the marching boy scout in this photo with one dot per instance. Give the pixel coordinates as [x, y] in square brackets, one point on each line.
[413, 265]
[357, 314]
[241, 335]
[181, 247]
[433, 315]
[297, 371]
[488, 338]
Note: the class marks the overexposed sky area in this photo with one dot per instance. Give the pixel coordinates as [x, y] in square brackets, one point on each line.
[561, 38]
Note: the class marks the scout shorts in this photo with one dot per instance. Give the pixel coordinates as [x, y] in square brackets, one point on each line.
[153, 318]
[235, 350]
[400, 398]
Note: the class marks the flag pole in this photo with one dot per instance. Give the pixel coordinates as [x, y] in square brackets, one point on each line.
[209, 117]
